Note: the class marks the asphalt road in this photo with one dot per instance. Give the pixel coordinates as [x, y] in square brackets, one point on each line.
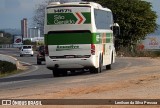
[39, 75]
[129, 78]
[33, 75]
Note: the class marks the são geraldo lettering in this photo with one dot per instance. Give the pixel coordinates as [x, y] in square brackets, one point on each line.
[59, 19]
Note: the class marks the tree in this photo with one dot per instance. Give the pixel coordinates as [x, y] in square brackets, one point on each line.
[6, 39]
[135, 18]
[27, 42]
[38, 18]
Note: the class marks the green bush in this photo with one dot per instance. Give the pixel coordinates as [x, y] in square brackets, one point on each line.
[7, 67]
[128, 52]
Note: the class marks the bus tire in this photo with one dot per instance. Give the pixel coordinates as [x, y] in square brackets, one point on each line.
[93, 70]
[55, 73]
[108, 67]
[39, 62]
[101, 64]
[64, 72]
[99, 69]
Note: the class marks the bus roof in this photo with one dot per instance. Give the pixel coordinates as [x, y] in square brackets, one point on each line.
[87, 4]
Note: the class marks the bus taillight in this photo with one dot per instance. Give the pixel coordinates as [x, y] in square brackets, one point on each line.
[46, 50]
[92, 49]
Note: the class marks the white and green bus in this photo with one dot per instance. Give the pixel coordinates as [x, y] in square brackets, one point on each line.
[78, 35]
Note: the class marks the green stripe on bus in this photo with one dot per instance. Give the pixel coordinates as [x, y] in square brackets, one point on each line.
[75, 38]
[66, 18]
[108, 37]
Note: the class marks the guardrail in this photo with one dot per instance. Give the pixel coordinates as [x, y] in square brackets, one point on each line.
[9, 59]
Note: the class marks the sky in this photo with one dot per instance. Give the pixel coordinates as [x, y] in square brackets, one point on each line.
[156, 8]
[13, 11]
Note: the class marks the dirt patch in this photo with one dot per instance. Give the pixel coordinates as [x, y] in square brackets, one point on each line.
[136, 82]
[96, 89]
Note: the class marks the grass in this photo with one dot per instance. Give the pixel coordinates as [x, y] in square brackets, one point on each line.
[10, 73]
[127, 52]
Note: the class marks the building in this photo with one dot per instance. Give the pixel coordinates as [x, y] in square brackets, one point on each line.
[34, 35]
[1, 34]
[24, 30]
[33, 32]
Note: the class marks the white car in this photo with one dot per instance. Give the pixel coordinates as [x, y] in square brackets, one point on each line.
[26, 50]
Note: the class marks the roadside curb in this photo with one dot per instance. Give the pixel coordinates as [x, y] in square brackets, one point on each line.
[10, 59]
[24, 66]
[25, 69]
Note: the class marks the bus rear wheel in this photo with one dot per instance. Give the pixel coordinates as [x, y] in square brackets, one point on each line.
[108, 67]
[55, 73]
[64, 72]
[99, 69]
[58, 72]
